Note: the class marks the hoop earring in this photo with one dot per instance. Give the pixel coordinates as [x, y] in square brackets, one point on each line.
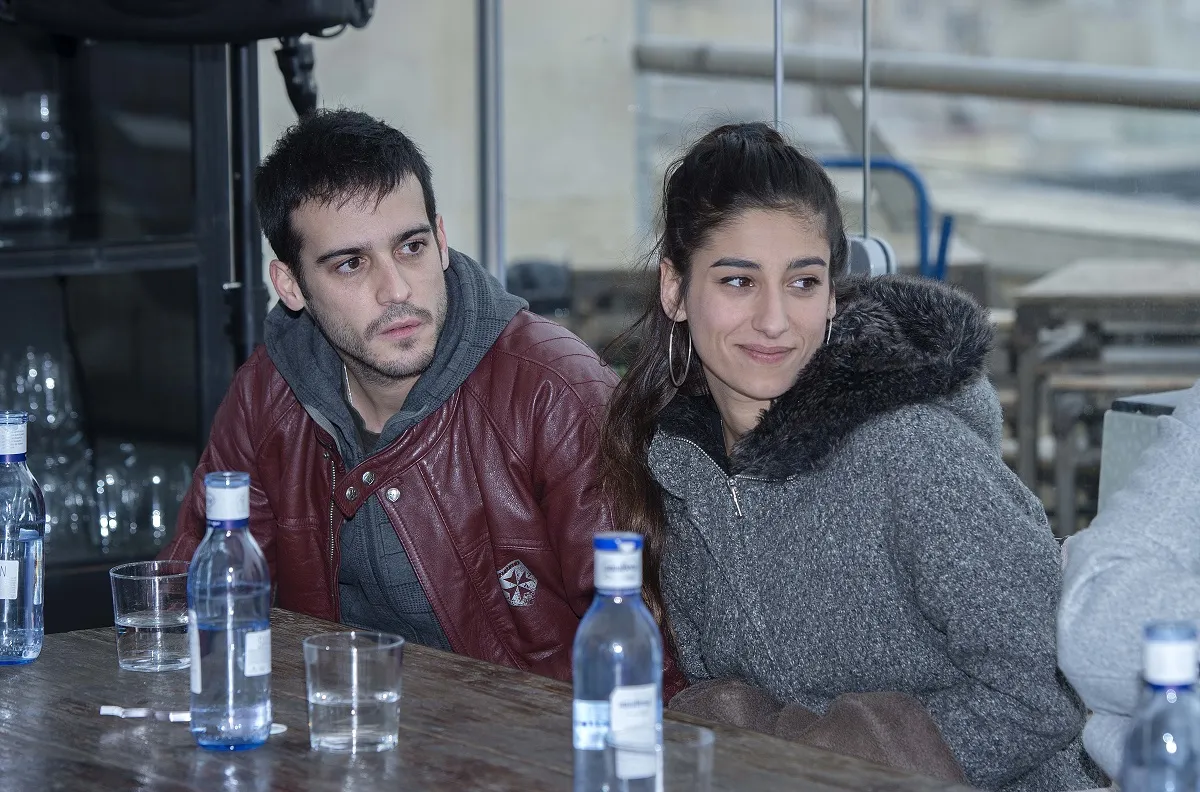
[677, 382]
[828, 330]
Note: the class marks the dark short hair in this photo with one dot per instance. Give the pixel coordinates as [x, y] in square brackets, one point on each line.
[330, 156]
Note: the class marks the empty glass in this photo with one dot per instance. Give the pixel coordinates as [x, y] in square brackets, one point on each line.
[685, 759]
[353, 691]
[150, 611]
[48, 160]
[12, 166]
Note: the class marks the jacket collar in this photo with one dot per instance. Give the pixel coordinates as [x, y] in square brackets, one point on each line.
[895, 341]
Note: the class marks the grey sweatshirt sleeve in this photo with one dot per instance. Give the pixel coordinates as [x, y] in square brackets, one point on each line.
[1138, 561]
[985, 573]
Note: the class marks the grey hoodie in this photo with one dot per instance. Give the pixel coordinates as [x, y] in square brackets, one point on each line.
[1139, 561]
[867, 536]
[377, 586]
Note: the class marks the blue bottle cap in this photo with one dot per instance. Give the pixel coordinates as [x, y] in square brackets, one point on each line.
[617, 542]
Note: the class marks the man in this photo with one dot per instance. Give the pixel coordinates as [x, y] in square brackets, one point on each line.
[422, 450]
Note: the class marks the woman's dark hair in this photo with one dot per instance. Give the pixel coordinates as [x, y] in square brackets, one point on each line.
[732, 169]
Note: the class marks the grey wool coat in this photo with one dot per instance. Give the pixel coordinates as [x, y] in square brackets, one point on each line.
[867, 536]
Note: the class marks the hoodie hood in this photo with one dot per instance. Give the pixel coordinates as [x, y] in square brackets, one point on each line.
[895, 341]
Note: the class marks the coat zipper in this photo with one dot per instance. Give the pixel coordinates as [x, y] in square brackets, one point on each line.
[730, 481]
[737, 507]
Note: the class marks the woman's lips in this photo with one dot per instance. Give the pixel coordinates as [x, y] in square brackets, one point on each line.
[765, 354]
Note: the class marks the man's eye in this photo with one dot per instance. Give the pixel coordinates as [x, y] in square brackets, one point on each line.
[351, 264]
[414, 247]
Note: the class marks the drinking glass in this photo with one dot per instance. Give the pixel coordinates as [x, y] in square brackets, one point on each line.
[353, 690]
[150, 611]
[684, 759]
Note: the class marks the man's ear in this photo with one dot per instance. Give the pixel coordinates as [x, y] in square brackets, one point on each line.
[443, 247]
[670, 289]
[286, 285]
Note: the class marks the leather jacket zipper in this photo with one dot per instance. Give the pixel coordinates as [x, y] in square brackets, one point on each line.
[332, 506]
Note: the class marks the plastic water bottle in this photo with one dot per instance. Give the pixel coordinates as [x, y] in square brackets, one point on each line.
[1161, 748]
[22, 528]
[618, 660]
[229, 630]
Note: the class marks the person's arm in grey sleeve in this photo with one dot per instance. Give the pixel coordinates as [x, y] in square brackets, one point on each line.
[1139, 561]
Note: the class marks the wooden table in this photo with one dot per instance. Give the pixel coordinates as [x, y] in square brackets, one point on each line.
[1090, 292]
[465, 725]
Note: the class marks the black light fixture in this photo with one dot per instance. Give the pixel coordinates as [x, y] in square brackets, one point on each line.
[235, 22]
[188, 21]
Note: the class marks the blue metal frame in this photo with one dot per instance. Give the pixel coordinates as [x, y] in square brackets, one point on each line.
[936, 270]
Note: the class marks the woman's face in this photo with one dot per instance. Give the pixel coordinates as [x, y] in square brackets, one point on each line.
[757, 304]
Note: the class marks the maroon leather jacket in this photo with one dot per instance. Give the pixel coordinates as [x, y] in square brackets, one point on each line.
[503, 475]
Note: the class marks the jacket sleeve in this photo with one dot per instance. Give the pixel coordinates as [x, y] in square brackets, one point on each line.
[1139, 561]
[984, 570]
[231, 447]
[566, 474]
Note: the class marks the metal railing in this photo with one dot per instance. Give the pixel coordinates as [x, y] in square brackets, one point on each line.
[926, 267]
[1164, 89]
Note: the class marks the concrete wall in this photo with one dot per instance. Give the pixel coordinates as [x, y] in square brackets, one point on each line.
[414, 67]
[569, 114]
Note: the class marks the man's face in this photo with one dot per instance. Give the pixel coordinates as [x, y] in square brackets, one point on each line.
[374, 281]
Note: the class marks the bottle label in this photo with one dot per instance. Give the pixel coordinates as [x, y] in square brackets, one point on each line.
[10, 579]
[223, 504]
[590, 725]
[194, 651]
[38, 578]
[634, 721]
[618, 571]
[12, 440]
[258, 653]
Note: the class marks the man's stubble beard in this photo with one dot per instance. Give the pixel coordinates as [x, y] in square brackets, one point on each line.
[354, 350]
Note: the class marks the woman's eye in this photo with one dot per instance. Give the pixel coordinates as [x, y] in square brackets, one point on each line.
[737, 281]
[807, 283]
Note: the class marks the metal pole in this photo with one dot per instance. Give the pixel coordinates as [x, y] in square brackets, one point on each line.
[866, 117]
[212, 161]
[491, 148]
[642, 140]
[247, 232]
[1160, 89]
[778, 63]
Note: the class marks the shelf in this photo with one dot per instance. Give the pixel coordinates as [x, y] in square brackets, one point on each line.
[100, 258]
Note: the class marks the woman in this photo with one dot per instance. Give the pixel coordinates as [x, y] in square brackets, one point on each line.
[817, 474]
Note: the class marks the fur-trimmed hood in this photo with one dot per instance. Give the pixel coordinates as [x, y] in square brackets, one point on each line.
[895, 341]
